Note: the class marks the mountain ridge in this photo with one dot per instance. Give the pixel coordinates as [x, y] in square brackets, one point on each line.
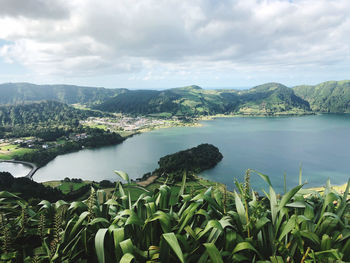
[266, 99]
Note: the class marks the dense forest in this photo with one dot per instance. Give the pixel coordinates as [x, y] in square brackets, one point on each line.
[95, 138]
[47, 120]
[28, 189]
[267, 99]
[192, 161]
[44, 112]
[51, 121]
[331, 96]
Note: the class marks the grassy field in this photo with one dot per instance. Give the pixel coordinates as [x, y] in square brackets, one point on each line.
[8, 151]
[61, 141]
[66, 187]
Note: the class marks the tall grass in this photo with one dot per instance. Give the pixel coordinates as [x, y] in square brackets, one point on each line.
[209, 226]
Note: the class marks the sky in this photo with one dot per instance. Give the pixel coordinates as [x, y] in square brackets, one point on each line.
[158, 44]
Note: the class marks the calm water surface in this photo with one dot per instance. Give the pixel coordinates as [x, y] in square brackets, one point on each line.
[270, 145]
[15, 169]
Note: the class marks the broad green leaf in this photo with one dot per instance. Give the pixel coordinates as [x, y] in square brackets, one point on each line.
[342, 206]
[240, 209]
[261, 222]
[330, 198]
[213, 252]
[288, 196]
[77, 205]
[171, 239]
[273, 205]
[263, 176]
[311, 236]
[5, 194]
[297, 204]
[288, 227]
[111, 202]
[127, 258]
[127, 246]
[99, 244]
[244, 246]
[276, 259]
[78, 224]
[211, 224]
[118, 236]
[328, 254]
[183, 184]
[123, 175]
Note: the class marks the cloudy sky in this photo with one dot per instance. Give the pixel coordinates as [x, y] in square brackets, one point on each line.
[171, 43]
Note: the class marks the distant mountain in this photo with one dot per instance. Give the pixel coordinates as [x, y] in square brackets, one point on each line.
[269, 98]
[330, 96]
[266, 99]
[12, 93]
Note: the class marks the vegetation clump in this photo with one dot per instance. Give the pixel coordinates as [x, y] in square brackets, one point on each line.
[28, 189]
[192, 161]
[206, 226]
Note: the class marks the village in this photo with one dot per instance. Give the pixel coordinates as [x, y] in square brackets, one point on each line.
[9, 147]
[131, 124]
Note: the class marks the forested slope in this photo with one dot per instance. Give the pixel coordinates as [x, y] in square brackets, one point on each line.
[44, 112]
[269, 98]
[20, 92]
[331, 96]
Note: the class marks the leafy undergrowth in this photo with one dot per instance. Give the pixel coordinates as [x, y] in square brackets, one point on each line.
[210, 226]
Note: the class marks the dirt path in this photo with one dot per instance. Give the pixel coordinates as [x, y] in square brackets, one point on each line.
[147, 182]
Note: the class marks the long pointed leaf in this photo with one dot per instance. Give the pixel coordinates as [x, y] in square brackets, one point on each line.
[171, 239]
[99, 244]
[213, 253]
[123, 175]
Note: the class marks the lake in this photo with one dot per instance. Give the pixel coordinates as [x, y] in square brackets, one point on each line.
[17, 170]
[271, 145]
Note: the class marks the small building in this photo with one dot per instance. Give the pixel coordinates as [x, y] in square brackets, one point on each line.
[45, 146]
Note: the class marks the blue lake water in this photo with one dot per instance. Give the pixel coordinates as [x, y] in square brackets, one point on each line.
[271, 145]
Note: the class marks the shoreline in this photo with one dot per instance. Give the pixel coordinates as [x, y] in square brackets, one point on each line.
[196, 120]
[195, 123]
[211, 117]
[339, 188]
[33, 167]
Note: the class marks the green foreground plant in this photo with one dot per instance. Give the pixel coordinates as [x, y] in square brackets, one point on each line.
[209, 226]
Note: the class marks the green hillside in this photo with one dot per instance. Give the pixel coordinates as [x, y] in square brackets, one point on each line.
[19, 92]
[44, 112]
[330, 96]
[266, 99]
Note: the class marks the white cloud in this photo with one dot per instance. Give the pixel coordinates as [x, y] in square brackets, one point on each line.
[87, 37]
